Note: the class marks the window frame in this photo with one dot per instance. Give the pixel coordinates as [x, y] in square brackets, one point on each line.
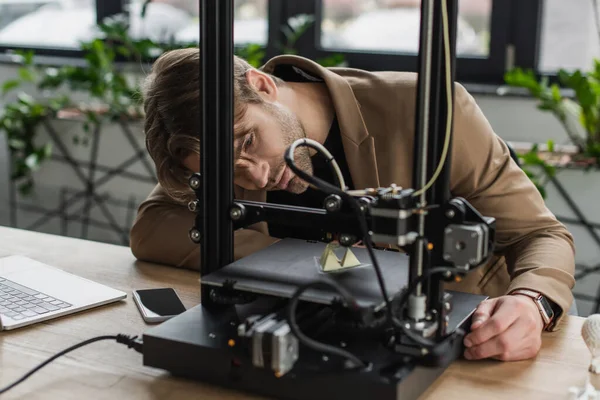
[525, 36]
[514, 40]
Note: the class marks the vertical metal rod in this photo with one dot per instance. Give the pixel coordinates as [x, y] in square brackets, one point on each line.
[430, 132]
[225, 133]
[440, 190]
[439, 193]
[216, 106]
[422, 128]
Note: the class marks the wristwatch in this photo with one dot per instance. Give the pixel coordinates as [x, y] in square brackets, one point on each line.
[542, 304]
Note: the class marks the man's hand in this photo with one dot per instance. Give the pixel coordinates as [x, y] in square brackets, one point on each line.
[506, 328]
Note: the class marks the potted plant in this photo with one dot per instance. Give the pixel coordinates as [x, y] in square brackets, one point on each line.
[578, 113]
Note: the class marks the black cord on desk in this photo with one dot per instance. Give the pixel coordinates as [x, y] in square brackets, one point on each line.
[131, 342]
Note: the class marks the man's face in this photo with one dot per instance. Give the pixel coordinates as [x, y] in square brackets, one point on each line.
[269, 129]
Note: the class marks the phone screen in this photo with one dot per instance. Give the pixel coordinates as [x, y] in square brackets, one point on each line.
[163, 302]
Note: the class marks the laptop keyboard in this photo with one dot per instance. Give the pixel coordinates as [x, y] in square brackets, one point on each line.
[19, 302]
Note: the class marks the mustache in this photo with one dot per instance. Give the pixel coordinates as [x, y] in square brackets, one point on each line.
[275, 178]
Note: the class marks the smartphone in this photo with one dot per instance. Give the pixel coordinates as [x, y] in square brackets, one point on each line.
[157, 305]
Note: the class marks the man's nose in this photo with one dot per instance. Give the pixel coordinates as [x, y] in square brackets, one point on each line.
[259, 174]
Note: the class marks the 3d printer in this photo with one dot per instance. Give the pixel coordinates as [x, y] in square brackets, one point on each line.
[293, 321]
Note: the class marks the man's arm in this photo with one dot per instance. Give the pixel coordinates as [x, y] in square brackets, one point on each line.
[160, 234]
[539, 250]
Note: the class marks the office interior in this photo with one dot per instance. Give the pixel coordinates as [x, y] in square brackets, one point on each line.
[83, 179]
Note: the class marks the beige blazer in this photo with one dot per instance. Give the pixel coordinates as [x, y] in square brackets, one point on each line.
[376, 112]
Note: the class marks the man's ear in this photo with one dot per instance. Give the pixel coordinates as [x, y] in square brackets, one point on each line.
[263, 84]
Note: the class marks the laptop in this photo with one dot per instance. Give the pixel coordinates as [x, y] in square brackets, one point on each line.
[31, 292]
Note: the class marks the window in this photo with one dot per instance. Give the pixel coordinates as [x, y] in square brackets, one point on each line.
[394, 26]
[492, 35]
[60, 24]
[569, 36]
[46, 23]
[384, 35]
[178, 20]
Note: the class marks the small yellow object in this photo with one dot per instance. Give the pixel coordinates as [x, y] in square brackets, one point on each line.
[278, 374]
[457, 278]
[231, 342]
[331, 262]
[430, 246]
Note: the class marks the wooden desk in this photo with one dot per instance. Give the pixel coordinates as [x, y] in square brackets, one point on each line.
[107, 370]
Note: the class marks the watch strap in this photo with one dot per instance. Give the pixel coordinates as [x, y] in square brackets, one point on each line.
[543, 305]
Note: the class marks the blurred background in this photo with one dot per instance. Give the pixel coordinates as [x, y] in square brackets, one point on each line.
[72, 153]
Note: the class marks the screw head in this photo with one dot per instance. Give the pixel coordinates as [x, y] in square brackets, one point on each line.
[345, 240]
[193, 205]
[195, 235]
[450, 213]
[235, 213]
[333, 203]
[194, 182]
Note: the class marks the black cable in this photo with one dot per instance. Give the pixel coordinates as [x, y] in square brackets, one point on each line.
[350, 302]
[328, 188]
[131, 342]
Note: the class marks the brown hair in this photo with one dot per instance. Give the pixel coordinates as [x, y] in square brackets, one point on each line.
[172, 109]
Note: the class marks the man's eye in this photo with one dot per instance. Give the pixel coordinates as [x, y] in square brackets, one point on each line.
[249, 141]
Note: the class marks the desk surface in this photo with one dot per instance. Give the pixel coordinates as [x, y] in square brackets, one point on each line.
[107, 370]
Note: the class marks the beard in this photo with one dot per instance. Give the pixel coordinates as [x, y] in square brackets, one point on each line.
[292, 130]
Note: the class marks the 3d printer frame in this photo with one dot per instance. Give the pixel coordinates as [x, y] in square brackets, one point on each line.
[445, 238]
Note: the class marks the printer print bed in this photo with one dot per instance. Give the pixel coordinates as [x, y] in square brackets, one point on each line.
[281, 268]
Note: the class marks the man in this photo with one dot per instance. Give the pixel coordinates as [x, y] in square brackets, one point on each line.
[366, 119]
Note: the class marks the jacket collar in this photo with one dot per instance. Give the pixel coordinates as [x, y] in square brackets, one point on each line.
[358, 145]
[346, 107]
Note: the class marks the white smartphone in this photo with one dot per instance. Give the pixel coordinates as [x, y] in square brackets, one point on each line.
[157, 305]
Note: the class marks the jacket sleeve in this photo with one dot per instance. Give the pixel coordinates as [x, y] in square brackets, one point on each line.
[160, 234]
[539, 250]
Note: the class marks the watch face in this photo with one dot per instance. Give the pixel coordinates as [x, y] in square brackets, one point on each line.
[547, 308]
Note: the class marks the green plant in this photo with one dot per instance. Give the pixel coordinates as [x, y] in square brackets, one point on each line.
[579, 115]
[111, 94]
